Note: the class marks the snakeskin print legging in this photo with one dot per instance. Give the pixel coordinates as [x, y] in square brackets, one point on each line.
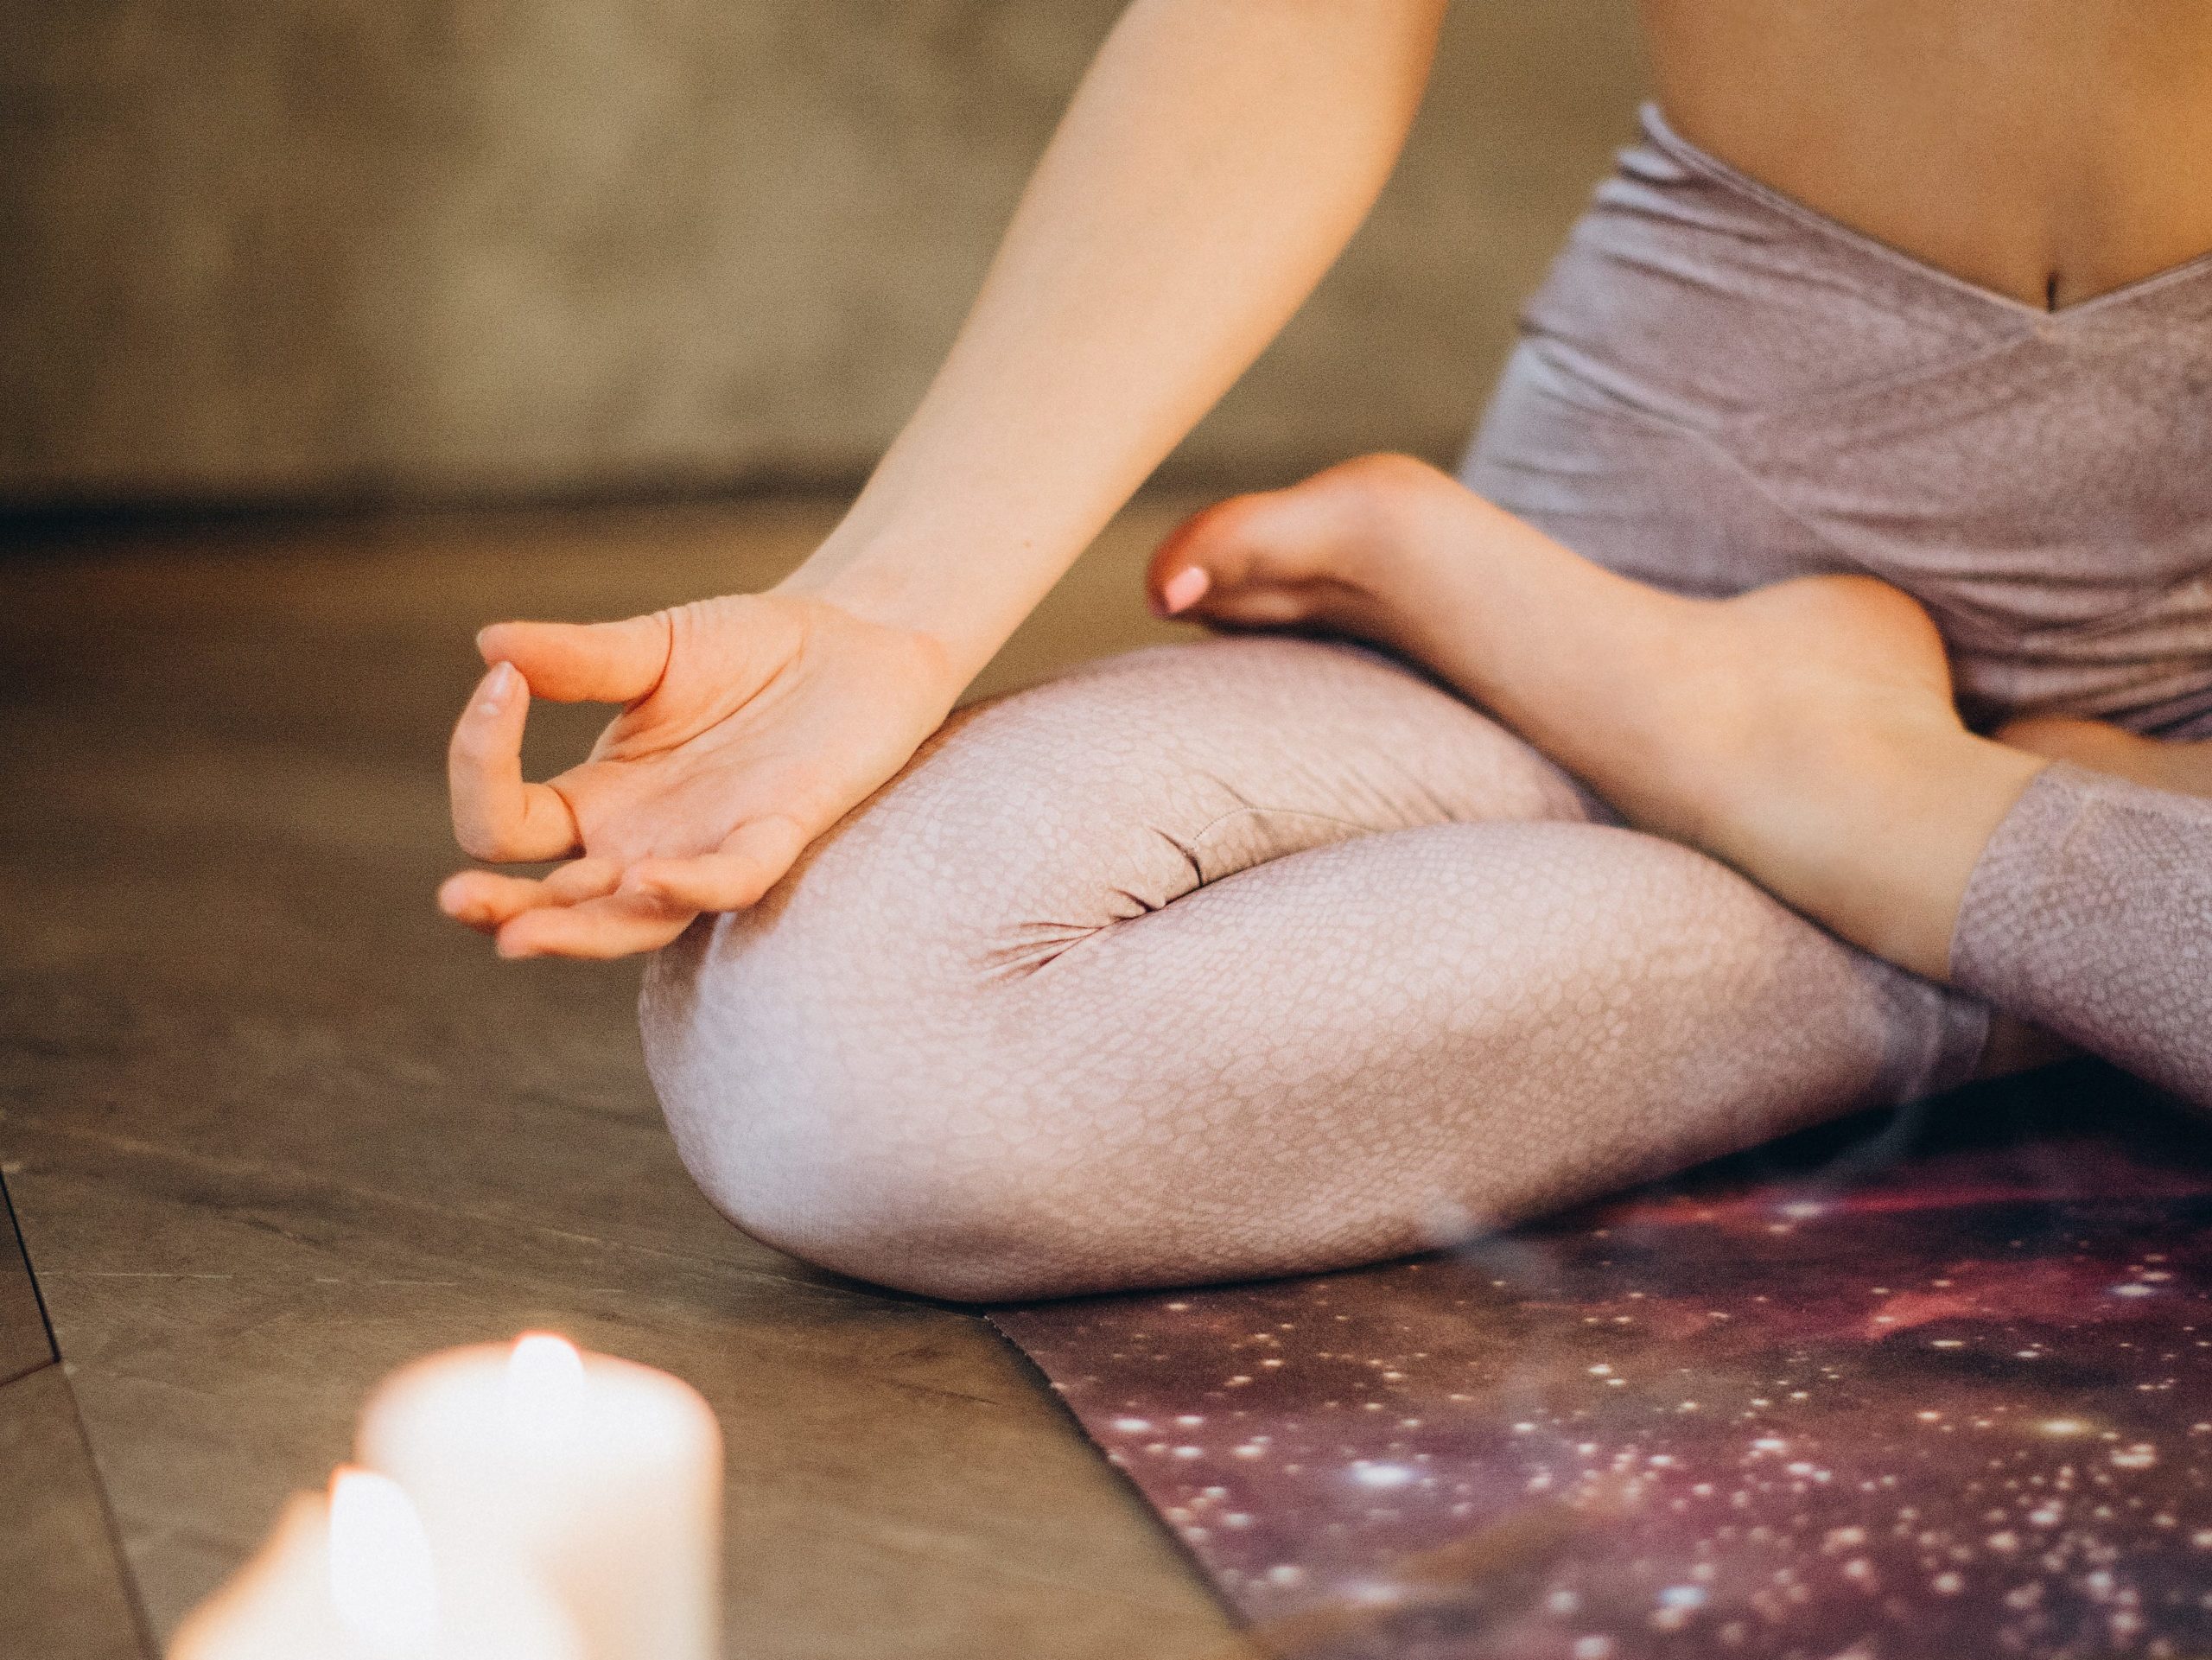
[1262, 956]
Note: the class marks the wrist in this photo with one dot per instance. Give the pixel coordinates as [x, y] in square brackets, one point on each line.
[906, 592]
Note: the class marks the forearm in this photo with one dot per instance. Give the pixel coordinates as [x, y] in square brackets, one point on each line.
[1216, 158]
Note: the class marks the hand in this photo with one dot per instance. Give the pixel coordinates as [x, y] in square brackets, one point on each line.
[752, 724]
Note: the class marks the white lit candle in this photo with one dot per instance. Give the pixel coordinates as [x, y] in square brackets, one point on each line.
[601, 1479]
[354, 1577]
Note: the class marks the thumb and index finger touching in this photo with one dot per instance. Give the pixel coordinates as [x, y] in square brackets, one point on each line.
[498, 815]
[584, 662]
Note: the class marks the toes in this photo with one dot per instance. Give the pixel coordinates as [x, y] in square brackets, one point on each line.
[1200, 556]
[1243, 560]
[1184, 589]
[1304, 605]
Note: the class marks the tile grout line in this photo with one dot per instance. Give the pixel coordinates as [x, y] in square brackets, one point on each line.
[141, 1623]
[38, 1294]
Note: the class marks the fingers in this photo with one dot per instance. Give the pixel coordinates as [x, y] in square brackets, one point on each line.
[748, 864]
[576, 911]
[593, 907]
[592, 662]
[484, 899]
[497, 816]
[618, 925]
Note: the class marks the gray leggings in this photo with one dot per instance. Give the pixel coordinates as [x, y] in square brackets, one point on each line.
[1263, 956]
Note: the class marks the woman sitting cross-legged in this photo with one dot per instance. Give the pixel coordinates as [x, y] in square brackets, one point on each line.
[1805, 709]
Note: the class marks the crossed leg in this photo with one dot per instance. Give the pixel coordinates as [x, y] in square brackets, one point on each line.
[1249, 957]
[1804, 733]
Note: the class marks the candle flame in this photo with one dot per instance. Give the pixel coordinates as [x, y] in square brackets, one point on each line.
[545, 1387]
[382, 1580]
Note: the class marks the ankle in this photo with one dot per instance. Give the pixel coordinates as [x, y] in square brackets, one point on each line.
[1905, 848]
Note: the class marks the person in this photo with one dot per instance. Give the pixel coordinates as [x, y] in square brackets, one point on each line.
[1802, 702]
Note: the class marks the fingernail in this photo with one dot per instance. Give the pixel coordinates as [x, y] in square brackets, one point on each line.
[497, 685]
[1184, 589]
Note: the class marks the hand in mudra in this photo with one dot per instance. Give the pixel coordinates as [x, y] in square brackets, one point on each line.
[751, 724]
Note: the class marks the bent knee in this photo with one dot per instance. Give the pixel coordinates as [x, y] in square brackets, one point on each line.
[895, 1151]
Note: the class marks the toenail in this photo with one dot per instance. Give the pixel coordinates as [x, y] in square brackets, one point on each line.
[1184, 589]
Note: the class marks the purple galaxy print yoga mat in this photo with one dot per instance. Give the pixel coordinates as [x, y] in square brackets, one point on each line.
[1936, 1388]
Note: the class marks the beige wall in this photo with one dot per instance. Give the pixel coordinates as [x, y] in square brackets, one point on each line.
[268, 249]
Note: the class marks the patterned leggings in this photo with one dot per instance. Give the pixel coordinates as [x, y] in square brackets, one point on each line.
[1262, 956]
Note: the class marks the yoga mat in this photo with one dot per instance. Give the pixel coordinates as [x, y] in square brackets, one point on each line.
[1934, 1385]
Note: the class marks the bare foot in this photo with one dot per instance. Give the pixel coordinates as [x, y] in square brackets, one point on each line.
[1803, 733]
[1340, 553]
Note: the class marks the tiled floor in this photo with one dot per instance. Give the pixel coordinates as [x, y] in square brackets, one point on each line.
[67, 1597]
[272, 1127]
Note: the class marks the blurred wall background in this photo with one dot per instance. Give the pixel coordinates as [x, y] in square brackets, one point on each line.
[257, 251]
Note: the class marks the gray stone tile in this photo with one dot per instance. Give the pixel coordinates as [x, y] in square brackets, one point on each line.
[24, 1344]
[275, 1128]
[62, 1591]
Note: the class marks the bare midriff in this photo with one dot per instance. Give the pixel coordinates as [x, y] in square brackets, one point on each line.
[2052, 151]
